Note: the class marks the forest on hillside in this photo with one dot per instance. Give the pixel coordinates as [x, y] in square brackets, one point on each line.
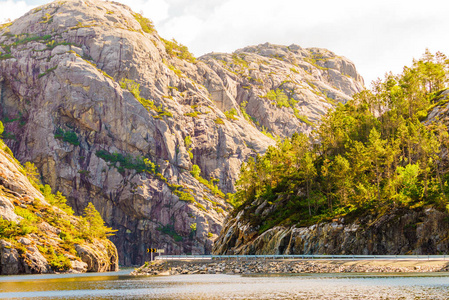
[374, 153]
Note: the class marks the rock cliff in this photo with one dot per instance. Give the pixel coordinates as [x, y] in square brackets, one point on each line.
[113, 114]
[400, 231]
[306, 83]
[34, 236]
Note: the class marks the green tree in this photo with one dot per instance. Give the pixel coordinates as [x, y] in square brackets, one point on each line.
[377, 151]
[94, 226]
[308, 173]
[408, 182]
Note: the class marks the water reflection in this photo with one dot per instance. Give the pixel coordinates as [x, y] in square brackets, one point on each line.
[119, 285]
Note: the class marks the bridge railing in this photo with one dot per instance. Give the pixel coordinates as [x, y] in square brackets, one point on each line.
[305, 257]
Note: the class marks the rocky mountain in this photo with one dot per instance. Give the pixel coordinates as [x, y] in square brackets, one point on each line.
[111, 113]
[41, 238]
[282, 89]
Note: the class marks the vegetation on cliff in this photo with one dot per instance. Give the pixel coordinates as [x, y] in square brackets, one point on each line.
[51, 229]
[371, 154]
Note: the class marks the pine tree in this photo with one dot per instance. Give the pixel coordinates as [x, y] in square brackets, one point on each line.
[94, 225]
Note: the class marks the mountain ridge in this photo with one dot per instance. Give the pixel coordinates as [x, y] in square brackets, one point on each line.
[111, 113]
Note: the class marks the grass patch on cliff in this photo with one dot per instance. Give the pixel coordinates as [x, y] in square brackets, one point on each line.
[146, 24]
[67, 136]
[188, 144]
[231, 114]
[219, 121]
[212, 184]
[6, 56]
[134, 88]
[184, 196]
[278, 98]
[121, 162]
[11, 229]
[192, 114]
[24, 39]
[247, 117]
[5, 25]
[170, 231]
[239, 60]
[175, 49]
[48, 71]
[302, 118]
[314, 58]
[175, 70]
[55, 259]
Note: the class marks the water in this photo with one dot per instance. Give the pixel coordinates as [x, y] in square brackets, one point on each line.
[119, 285]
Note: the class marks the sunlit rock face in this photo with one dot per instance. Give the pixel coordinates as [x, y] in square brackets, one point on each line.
[65, 110]
[313, 79]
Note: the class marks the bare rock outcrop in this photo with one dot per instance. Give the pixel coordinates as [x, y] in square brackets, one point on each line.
[98, 256]
[117, 116]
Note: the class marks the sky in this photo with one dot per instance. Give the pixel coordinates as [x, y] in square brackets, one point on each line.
[378, 36]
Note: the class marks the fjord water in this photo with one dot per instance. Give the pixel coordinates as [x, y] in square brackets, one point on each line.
[120, 285]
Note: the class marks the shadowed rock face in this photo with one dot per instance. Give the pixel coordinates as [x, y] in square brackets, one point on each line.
[399, 231]
[62, 103]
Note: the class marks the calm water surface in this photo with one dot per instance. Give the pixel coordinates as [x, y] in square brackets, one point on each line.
[119, 285]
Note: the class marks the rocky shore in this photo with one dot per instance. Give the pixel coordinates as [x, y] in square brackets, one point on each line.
[288, 266]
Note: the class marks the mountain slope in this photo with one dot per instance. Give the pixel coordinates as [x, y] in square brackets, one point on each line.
[111, 113]
[306, 82]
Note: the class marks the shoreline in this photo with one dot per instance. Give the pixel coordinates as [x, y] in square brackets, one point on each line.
[289, 266]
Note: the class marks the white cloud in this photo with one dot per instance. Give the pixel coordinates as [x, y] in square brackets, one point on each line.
[378, 36]
[157, 10]
[185, 28]
[13, 9]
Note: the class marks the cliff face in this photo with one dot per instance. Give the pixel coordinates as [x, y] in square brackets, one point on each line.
[396, 232]
[34, 236]
[112, 114]
[313, 80]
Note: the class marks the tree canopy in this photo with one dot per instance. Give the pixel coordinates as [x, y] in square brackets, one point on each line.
[370, 153]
